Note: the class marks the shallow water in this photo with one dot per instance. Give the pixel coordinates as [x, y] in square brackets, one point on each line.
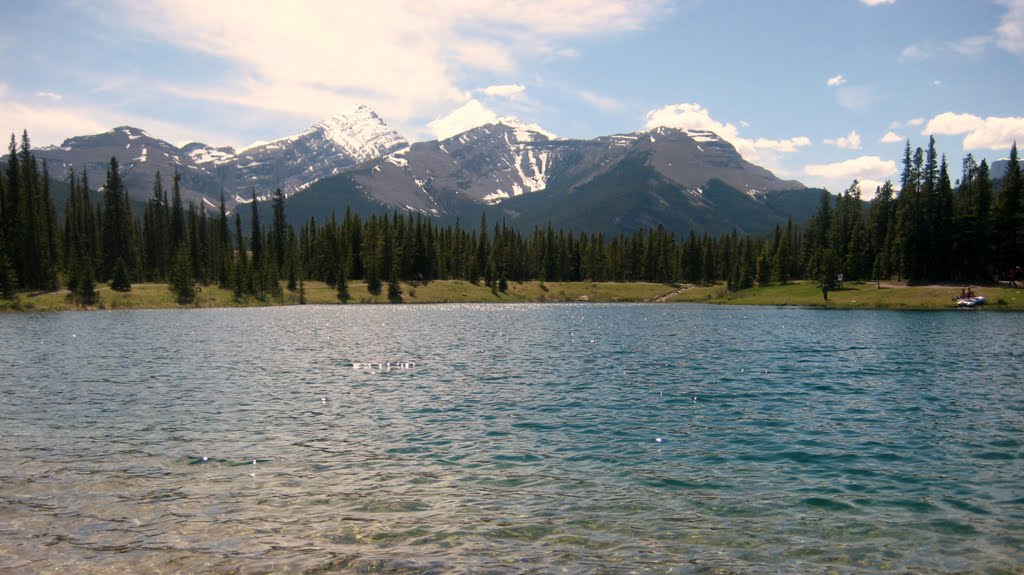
[512, 439]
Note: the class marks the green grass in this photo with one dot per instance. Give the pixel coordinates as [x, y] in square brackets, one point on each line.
[853, 296]
[891, 295]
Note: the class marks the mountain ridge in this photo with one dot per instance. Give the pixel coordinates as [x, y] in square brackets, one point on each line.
[659, 176]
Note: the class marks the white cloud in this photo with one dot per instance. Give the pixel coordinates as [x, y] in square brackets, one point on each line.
[937, 83]
[913, 122]
[862, 168]
[1010, 33]
[877, 2]
[693, 116]
[510, 91]
[970, 46]
[53, 122]
[991, 133]
[787, 146]
[855, 98]
[601, 102]
[891, 137]
[868, 187]
[51, 96]
[310, 59]
[914, 53]
[835, 81]
[850, 141]
[468, 116]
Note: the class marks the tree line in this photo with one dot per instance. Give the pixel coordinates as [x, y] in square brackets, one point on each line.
[931, 230]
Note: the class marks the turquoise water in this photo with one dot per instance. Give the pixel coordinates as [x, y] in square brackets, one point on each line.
[512, 439]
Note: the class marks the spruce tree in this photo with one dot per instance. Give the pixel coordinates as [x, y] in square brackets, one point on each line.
[225, 270]
[279, 232]
[241, 283]
[182, 282]
[342, 282]
[8, 278]
[120, 281]
[394, 288]
[85, 288]
[118, 226]
[1009, 217]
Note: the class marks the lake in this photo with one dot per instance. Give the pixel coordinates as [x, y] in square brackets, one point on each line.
[534, 438]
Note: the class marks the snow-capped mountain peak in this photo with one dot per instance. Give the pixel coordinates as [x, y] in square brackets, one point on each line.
[360, 133]
[525, 132]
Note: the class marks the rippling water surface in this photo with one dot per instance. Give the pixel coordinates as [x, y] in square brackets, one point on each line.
[512, 439]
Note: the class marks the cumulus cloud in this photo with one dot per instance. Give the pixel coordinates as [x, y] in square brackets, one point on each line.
[693, 116]
[862, 168]
[510, 91]
[991, 133]
[850, 141]
[468, 116]
[891, 137]
[834, 81]
[601, 102]
[877, 2]
[310, 59]
[869, 188]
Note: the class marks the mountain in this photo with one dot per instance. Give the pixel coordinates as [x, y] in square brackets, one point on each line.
[292, 163]
[680, 179]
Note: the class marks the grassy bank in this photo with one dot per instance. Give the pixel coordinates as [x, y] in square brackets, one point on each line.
[888, 295]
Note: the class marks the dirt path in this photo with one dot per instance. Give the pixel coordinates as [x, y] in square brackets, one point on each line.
[670, 295]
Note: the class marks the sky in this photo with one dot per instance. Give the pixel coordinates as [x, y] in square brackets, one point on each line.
[823, 92]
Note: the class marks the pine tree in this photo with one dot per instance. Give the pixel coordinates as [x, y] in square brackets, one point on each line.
[8, 278]
[120, 281]
[394, 288]
[342, 282]
[241, 283]
[278, 230]
[226, 270]
[118, 226]
[85, 288]
[1009, 217]
[182, 282]
[177, 217]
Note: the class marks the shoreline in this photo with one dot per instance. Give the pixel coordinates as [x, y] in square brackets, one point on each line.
[867, 295]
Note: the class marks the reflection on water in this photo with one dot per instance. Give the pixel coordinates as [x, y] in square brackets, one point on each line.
[511, 439]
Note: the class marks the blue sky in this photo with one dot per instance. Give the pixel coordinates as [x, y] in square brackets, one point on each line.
[819, 91]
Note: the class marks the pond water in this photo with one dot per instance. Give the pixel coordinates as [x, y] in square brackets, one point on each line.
[542, 438]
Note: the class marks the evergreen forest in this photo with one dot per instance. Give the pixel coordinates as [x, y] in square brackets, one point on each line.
[932, 230]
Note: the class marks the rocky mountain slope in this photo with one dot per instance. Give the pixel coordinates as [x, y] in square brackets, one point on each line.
[684, 180]
[292, 163]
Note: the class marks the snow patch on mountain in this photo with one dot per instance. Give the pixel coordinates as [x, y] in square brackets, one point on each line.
[360, 133]
[702, 136]
[525, 133]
